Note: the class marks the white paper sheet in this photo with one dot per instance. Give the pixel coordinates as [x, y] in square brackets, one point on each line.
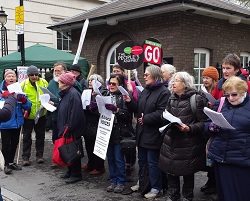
[210, 98]
[16, 88]
[140, 88]
[123, 91]
[44, 98]
[104, 130]
[96, 84]
[101, 101]
[217, 118]
[168, 116]
[46, 91]
[86, 98]
[2, 104]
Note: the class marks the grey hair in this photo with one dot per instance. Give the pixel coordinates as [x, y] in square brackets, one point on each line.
[62, 64]
[186, 78]
[169, 68]
[155, 72]
[96, 77]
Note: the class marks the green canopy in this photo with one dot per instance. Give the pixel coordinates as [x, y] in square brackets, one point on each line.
[43, 57]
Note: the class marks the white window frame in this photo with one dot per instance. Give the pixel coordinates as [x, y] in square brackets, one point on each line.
[243, 56]
[69, 41]
[201, 51]
[108, 61]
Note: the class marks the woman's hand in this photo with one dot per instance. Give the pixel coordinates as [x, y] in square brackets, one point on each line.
[126, 98]
[129, 87]
[184, 128]
[140, 120]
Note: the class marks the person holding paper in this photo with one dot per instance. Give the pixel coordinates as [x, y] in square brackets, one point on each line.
[122, 127]
[230, 148]
[95, 164]
[210, 78]
[231, 66]
[183, 149]
[149, 108]
[10, 130]
[71, 114]
[131, 88]
[31, 86]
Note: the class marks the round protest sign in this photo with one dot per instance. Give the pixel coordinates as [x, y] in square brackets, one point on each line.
[129, 55]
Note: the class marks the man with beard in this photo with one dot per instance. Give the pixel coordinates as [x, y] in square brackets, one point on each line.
[53, 87]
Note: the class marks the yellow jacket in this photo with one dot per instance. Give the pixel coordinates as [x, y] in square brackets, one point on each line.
[33, 95]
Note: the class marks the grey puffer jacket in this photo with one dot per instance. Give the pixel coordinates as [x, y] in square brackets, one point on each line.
[183, 153]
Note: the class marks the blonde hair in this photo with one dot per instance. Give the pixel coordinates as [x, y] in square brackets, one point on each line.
[235, 83]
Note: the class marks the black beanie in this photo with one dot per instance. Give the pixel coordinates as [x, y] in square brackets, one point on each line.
[76, 68]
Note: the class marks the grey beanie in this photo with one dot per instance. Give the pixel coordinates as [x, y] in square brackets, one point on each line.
[32, 70]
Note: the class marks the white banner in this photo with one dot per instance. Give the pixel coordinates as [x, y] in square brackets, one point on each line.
[83, 34]
[104, 130]
[22, 73]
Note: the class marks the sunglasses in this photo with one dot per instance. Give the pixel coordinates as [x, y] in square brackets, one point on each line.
[232, 94]
[112, 83]
[33, 74]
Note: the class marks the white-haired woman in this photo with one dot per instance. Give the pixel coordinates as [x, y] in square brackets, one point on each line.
[168, 71]
[183, 149]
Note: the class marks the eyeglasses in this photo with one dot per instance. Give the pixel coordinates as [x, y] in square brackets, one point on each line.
[112, 83]
[177, 81]
[33, 74]
[232, 94]
[146, 74]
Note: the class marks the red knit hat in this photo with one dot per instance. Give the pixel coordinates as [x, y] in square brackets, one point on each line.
[68, 78]
[212, 72]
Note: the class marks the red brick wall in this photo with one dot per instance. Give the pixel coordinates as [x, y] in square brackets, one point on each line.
[178, 32]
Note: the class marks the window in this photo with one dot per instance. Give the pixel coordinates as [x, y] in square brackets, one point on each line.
[245, 59]
[64, 41]
[111, 59]
[201, 61]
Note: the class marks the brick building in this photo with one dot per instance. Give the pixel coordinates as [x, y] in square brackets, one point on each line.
[193, 34]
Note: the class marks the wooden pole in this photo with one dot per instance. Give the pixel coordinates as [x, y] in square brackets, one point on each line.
[91, 71]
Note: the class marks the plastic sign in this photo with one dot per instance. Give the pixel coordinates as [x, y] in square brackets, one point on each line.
[152, 51]
[129, 55]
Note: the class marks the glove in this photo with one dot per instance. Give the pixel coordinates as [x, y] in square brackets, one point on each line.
[111, 107]
[5, 94]
[214, 128]
[92, 105]
[21, 98]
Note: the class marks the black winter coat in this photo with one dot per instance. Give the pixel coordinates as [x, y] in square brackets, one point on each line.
[152, 103]
[183, 153]
[70, 112]
[122, 126]
[92, 118]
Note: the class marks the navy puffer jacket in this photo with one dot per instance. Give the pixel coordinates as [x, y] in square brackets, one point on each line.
[232, 146]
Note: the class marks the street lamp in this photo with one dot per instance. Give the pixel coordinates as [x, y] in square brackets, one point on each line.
[3, 20]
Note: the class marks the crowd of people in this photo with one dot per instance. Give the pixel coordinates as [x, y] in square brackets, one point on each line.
[182, 149]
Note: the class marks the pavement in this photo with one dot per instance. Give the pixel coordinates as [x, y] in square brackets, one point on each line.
[38, 182]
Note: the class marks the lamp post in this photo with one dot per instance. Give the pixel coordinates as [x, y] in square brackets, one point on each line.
[3, 20]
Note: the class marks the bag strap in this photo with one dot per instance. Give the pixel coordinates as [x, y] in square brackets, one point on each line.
[222, 100]
[193, 103]
[65, 130]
